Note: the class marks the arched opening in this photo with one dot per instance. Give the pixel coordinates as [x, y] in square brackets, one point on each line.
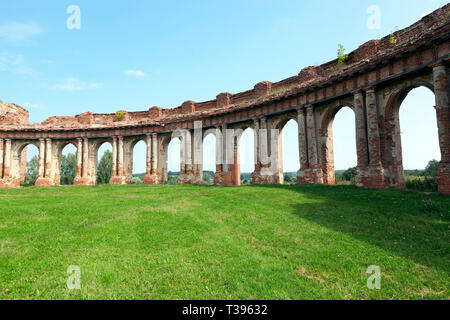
[29, 173]
[173, 161]
[247, 155]
[419, 138]
[68, 164]
[289, 152]
[342, 156]
[138, 162]
[209, 158]
[104, 163]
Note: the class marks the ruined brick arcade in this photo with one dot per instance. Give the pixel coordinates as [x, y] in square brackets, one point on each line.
[373, 83]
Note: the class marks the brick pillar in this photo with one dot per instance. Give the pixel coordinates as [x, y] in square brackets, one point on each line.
[151, 176]
[375, 172]
[441, 93]
[372, 127]
[7, 161]
[85, 158]
[48, 158]
[225, 152]
[41, 168]
[235, 168]
[257, 171]
[148, 158]
[79, 157]
[114, 158]
[85, 177]
[120, 177]
[361, 140]
[188, 154]
[312, 175]
[225, 157]
[1, 158]
[77, 179]
[120, 158]
[360, 125]
[155, 152]
[45, 164]
[219, 153]
[302, 147]
[182, 156]
[220, 174]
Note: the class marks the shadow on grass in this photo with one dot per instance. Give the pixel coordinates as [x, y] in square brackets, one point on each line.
[404, 223]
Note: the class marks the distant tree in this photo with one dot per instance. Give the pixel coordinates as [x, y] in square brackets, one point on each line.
[289, 179]
[136, 180]
[172, 179]
[430, 169]
[349, 174]
[32, 172]
[208, 177]
[68, 168]
[104, 171]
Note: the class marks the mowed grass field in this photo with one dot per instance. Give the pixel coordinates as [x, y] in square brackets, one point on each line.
[206, 242]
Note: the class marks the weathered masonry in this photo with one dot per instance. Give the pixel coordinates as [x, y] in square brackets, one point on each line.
[373, 83]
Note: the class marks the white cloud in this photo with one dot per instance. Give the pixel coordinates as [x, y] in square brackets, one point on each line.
[74, 84]
[29, 105]
[16, 64]
[134, 73]
[15, 31]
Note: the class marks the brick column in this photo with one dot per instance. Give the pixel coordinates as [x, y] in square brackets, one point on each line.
[188, 153]
[221, 174]
[225, 152]
[148, 158]
[114, 158]
[372, 127]
[302, 145]
[48, 158]
[7, 162]
[79, 158]
[85, 158]
[120, 157]
[311, 138]
[1, 157]
[361, 172]
[235, 168]
[256, 143]
[219, 150]
[256, 175]
[441, 93]
[263, 145]
[41, 168]
[360, 125]
[375, 171]
[84, 176]
[154, 154]
[151, 175]
[313, 174]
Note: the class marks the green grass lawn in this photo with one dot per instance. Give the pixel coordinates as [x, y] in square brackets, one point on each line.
[206, 242]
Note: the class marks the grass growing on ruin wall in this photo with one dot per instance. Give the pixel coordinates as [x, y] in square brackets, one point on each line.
[205, 242]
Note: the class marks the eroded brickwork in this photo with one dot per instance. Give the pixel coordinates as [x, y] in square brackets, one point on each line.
[373, 83]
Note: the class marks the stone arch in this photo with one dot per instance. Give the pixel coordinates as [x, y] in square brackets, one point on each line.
[128, 152]
[214, 132]
[93, 157]
[19, 151]
[391, 140]
[326, 141]
[166, 139]
[59, 147]
[278, 123]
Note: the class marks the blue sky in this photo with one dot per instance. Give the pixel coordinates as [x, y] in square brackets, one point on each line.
[136, 54]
